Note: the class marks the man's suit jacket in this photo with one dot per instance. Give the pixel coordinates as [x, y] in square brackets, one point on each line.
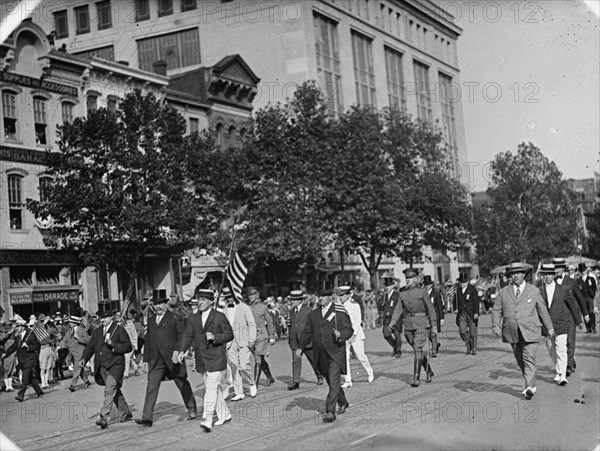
[572, 285]
[587, 287]
[70, 341]
[563, 309]
[161, 340]
[467, 302]
[438, 304]
[28, 356]
[297, 324]
[112, 358]
[319, 329]
[244, 326]
[390, 301]
[523, 314]
[210, 357]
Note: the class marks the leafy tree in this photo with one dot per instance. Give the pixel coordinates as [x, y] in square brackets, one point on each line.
[391, 192]
[593, 228]
[277, 181]
[126, 184]
[532, 215]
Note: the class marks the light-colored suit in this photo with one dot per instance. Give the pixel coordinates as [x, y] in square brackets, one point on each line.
[522, 320]
[356, 341]
[238, 352]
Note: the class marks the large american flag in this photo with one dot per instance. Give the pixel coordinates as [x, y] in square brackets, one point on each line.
[41, 333]
[236, 274]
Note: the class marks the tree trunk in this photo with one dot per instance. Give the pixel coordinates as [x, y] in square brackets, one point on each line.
[343, 281]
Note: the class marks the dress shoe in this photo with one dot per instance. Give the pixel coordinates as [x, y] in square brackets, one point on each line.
[342, 409]
[137, 372]
[347, 384]
[223, 421]
[429, 375]
[72, 388]
[269, 381]
[126, 417]
[87, 384]
[191, 416]
[468, 352]
[238, 397]
[473, 352]
[370, 377]
[393, 354]
[563, 382]
[557, 378]
[294, 386]
[328, 417]
[37, 395]
[206, 425]
[253, 391]
[102, 423]
[529, 392]
[319, 380]
[145, 423]
[19, 398]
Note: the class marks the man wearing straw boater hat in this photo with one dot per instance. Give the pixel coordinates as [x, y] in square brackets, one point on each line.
[238, 350]
[209, 331]
[298, 316]
[108, 344]
[163, 334]
[562, 278]
[563, 312]
[517, 316]
[71, 342]
[327, 329]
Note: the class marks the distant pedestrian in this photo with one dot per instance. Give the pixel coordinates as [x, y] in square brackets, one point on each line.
[438, 305]
[265, 335]
[467, 301]
[392, 332]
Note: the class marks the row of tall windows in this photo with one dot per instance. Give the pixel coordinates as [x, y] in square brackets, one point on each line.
[81, 16]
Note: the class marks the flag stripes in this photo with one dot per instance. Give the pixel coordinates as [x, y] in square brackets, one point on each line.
[236, 273]
[41, 333]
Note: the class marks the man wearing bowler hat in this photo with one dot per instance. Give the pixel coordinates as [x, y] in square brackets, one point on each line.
[163, 334]
[327, 329]
[209, 331]
[518, 315]
[563, 312]
[467, 301]
[108, 344]
[392, 332]
[563, 278]
[418, 318]
[438, 305]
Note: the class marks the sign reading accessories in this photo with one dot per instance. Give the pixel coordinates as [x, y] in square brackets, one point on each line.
[38, 83]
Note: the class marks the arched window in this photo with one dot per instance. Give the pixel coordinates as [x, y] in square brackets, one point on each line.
[15, 201]
[220, 129]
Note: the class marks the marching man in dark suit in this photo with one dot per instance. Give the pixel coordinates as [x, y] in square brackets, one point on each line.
[392, 332]
[438, 305]
[27, 348]
[563, 312]
[209, 330]
[108, 344]
[467, 301]
[518, 315]
[297, 321]
[587, 286]
[164, 332]
[328, 327]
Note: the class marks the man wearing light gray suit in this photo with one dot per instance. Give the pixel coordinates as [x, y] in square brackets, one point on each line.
[521, 310]
[238, 350]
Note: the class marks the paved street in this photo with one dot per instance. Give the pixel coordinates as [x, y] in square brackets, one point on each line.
[474, 402]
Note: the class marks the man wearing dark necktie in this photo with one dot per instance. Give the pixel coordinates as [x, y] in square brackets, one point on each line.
[328, 327]
[518, 315]
[296, 322]
[165, 329]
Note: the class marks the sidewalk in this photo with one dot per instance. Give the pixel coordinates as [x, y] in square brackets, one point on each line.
[473, 402]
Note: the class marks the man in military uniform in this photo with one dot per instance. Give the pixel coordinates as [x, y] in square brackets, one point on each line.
[419, 318]
[392, 332]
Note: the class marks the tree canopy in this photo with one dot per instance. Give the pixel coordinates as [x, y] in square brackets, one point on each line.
[532, 215]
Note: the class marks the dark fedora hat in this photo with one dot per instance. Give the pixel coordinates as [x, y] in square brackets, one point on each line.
[106, 314]
[515, 267]
[159, 296]
[547, 269]
[427, 280]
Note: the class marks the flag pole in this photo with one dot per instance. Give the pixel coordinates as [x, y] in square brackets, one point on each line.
[228, 262]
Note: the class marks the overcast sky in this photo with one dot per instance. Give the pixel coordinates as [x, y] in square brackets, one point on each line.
[544, 57]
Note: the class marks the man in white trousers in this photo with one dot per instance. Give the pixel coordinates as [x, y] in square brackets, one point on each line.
[357, 341]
